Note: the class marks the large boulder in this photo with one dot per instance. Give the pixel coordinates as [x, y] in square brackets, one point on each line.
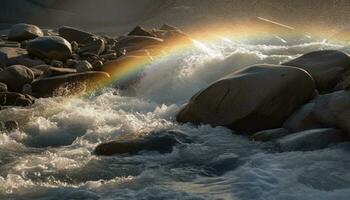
[16, 76]
[50, 47]
[20, 32]
[133, 43]
[73, 34]
[310, 140]
[256, 98]
[326, 66]
[329, 110]
[68, 84]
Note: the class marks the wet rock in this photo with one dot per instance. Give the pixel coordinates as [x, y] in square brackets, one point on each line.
[139, 31]
[310, 140]
[92, 46]
[97, 65]
[270, 135]
[83, 66]
[68, 84]
[50, 47]
[163, 143]
[16, 76]
[326, 67]
[9, 125]
[73, 34]
[14, 99]
[3, 87]
[49, 71]
[222, 164]
[303, 119]
[256, 98]
[133, 43]
[20, 32]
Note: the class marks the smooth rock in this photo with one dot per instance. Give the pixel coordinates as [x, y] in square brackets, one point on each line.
[16, 76]
[83, 66]
[310, 140]
[162, 143]
[14, 99]
[20, 32]
[73, 34]
[68, 84]
[256, 98]
[270, 135]
[133, 43]
[326, 66]
[49, 71]
[17, 56]
[50, 47]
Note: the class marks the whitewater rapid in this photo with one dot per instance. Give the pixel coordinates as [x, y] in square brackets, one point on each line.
[50, 157]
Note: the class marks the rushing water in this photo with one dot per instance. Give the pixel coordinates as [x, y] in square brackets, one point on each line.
[50, 157]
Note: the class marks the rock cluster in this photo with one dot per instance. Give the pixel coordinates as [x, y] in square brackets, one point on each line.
[303, 104]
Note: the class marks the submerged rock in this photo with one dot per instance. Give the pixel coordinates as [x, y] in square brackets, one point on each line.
[310, 140]
[256, 98]
[50, 47]
[16, 76]
[20, 32]
[160, 142]
[73, 34]
[326, 66]
[269, 135]
[68, 84]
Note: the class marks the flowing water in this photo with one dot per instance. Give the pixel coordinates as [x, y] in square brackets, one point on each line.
[50, 157]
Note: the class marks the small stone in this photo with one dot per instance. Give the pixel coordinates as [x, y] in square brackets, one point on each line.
[73, 34]
[71, 62]
[27, 89]
[97, 65]
[11, 125]
[93, 45]
[83, 66]
[16, 76]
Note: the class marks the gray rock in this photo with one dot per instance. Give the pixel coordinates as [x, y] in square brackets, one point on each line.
[48, 71]
[256, 98]
[73, 34]
[20, 32]
[83, 66]
[68, 84]
[50, 47]
[326, 66]
[17, 56]
[270, 135]
[92, 46]
[3, 87]
[16, 76]
[310, 140]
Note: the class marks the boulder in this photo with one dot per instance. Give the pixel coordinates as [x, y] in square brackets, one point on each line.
[17, 56]
[50, 47]
[269, 135]
[132, 43]
[68, 84]
[20, 32]
[16, 76]
[49, 71]
[73, 34]
[83, 66]
[3, 87]
[326, 67]
[14, 99]
[139, 31]
[162, 143]
[310, 140]
[256, 98]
